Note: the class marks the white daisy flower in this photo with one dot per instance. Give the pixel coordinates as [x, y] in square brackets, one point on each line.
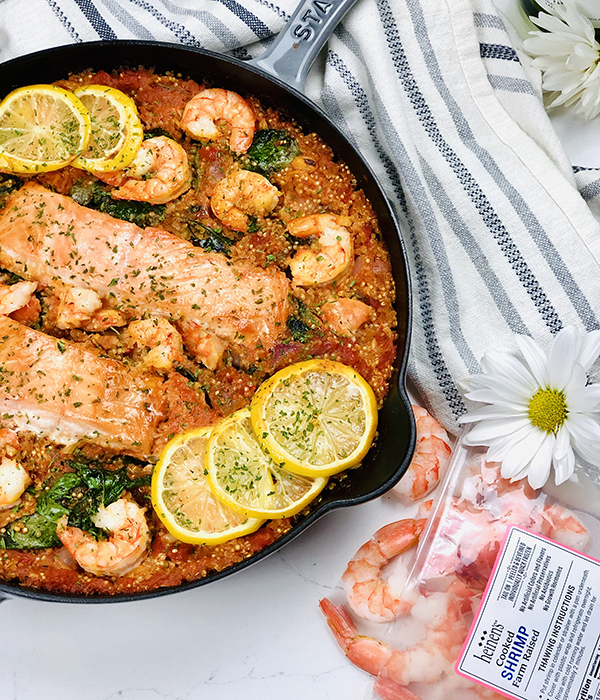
[541, 409]
[568, 56]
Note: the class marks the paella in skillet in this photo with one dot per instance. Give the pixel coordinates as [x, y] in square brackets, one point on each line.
[197, 246]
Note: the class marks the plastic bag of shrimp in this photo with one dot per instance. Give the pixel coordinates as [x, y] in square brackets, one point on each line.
[491, 589]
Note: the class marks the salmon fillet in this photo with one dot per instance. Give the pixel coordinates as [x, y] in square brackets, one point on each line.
[56, 389]
[51, 239]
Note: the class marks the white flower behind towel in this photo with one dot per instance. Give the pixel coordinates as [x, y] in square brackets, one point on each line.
[541, 409]
[568, 56]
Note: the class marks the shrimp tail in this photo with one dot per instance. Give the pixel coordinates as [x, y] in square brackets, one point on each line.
[388, 689]
[366, 653]
[397, 537]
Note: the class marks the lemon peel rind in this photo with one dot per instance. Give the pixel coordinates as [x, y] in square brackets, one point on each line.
[27, 166]
[132, 140]
[270, 514]
[161, 510]
[268, 441]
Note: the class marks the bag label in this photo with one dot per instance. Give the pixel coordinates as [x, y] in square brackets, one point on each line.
[536, 635]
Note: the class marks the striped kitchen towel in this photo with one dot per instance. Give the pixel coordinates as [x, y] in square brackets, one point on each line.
[498, 235]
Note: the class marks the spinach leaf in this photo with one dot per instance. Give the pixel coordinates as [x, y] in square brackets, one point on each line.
[300, 331]
[39, 529]
[79, 495]
[96, 196]
[211, 239]
[157, 131]
[8, 184]
[271, 150]
[302, 323]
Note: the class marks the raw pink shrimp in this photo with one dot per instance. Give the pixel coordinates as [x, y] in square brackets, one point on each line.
[443, 617]
[121, 552]
[369, 595]
[330, 254]
[159, 173]
[563, 526]
[345, 315]
[240, 195]
[205, 109]
[472, 528]
[432, 454]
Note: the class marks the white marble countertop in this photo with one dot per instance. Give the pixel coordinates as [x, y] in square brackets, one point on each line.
[258, 635]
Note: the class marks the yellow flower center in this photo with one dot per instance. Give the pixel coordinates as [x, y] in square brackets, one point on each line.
[548, 410]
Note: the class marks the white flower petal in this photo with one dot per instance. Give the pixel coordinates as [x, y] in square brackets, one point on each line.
[583, 399]
[539, 468]
[590, 349]
[563, 354]
[585, 437]
[534, 357]
[563, 443]
[520, 475]
[522, 453]
[497, 362]
[504, 390]
[563, 467]
[568, 55]
[491, 412]
[490, 430]
[500, 447]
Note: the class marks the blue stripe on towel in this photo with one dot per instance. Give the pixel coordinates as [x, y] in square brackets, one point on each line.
[478, 198]
[64, 21]
[434, 353]
[252, 21]
[504, 53]
[543, 242]
[127, 19]
[184, 36]
[98, 22]
[491, 21]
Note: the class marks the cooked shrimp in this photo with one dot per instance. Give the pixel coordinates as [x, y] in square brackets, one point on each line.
[14, 479]
[82, 308]
[241, 195]
[76, 307]
[330, 254]
[205, 109]
[15, 296]
[369, 595]
[432, 454]
[159, 173]
[346, 315]
[9, 442]
[205, 347]
[562, 525]
[445, 629]
[159, 335]
[121, 552]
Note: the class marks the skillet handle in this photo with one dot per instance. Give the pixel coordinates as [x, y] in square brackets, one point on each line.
[296, 47]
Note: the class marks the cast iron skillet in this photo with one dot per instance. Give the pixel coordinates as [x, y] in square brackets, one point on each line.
[290, 58]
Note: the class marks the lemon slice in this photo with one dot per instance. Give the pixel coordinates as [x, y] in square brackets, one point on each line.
[116, 133]
[247, 479]
[319, 417]
[42, 127]
[184, 502]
